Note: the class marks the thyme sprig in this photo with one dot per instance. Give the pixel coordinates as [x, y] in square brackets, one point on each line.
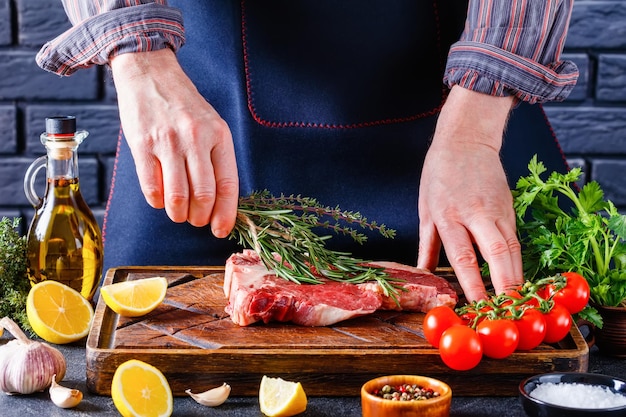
[281, 230]
[14, 283]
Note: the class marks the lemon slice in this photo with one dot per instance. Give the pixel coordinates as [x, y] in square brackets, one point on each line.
[58, 313]
[134, 298]
[280, 398]
[138, 389]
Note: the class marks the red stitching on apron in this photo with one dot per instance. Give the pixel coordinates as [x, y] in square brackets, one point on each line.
[273, 124]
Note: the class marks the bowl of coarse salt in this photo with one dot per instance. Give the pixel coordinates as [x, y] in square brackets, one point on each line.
[573, 394]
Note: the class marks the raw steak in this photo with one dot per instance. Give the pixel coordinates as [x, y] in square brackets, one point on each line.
[256, 294]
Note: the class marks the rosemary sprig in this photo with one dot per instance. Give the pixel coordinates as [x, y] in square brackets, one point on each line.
[280, 230]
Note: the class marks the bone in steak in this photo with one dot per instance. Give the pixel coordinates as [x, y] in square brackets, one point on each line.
[256, 294]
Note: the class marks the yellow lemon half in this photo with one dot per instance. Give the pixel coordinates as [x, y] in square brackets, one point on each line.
[58, 313]
[280, 398]
[134, 298]
[139, 389]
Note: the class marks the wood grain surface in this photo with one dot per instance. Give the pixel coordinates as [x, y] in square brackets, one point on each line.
[194, 343]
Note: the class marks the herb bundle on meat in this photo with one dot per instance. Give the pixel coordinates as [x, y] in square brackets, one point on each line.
[281, 230]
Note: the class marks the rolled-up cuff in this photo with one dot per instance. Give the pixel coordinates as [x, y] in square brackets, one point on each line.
[488, 69]
[146, 27]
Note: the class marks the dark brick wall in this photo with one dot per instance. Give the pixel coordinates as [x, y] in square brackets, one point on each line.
[591, 124]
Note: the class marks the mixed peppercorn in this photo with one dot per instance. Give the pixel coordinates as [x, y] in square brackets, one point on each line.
[406, 392]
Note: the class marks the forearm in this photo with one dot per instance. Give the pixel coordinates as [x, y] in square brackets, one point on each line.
[156, 68]
[469, 117]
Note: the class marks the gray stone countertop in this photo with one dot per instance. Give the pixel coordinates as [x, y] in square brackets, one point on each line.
[93, 405]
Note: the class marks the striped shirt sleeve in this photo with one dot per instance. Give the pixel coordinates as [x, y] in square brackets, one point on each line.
[105, 28]
[513, 47]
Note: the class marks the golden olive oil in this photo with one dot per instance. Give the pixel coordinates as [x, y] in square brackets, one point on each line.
[64, 241]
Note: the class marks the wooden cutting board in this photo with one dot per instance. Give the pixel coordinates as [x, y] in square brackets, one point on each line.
[194, 343]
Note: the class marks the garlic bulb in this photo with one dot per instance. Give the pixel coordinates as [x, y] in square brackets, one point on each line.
[212, 397]
[64, 397]
[26, 365]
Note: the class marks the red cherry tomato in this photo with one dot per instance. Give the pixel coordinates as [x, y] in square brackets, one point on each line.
[558, 323]
[436, 321]
[460, 347]
[575, 295]
[532, 329]
[499, 338]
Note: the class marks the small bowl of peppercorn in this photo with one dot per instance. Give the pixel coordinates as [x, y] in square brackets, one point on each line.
[404, 395]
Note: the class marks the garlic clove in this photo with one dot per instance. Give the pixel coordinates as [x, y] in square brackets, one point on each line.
[64, 397]
[212, 397]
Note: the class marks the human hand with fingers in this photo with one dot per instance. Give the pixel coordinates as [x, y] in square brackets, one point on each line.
[183, 149]
[464, 199]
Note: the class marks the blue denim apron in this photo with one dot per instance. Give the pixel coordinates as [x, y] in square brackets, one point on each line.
[332, 100]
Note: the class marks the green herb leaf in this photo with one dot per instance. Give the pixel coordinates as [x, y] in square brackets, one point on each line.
[591, 315]
[617, 224]
[592, 198]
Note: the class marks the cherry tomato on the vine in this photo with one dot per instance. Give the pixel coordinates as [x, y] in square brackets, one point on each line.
[532, 329]
[467, 318]
[575, 295]
[436, 321]
[558, 323]
[472, 317]
[460, 347]
[516, 295]
[499, 338]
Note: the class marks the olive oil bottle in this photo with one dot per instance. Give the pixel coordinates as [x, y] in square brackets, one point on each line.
[64, 241]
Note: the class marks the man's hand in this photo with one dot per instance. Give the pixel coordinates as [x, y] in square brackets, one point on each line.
[464, 196]
[183, 149]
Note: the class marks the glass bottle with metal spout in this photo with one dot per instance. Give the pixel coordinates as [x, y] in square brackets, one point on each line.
[64, 240]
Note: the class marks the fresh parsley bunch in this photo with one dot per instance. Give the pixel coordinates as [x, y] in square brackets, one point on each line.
[562, 229]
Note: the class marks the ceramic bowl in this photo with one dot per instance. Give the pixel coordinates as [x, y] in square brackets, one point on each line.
[374, 406]
[538, 408]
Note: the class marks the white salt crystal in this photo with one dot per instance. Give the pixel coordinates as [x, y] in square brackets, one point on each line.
[577, 395]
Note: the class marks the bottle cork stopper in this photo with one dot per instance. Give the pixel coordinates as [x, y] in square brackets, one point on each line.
[60, 147]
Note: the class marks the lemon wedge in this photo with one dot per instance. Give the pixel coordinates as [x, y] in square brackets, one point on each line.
[280, 398]
[138, 389]
[57, 313]
[134, 298]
